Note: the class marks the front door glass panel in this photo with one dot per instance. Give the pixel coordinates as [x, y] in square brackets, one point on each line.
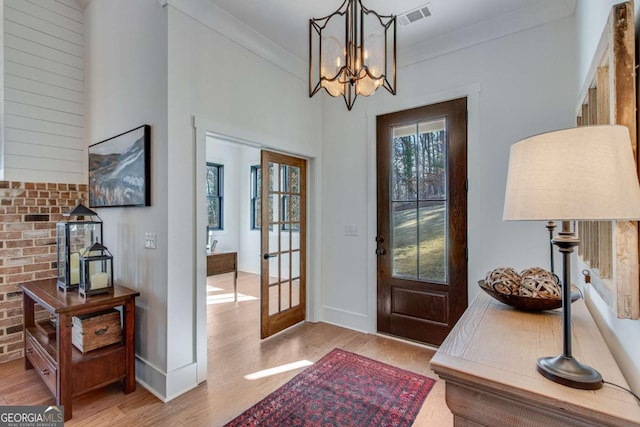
[419, 205]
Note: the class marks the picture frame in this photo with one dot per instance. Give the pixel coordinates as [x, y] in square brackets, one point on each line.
[119, 170]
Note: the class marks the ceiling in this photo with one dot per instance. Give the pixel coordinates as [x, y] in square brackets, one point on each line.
[286, 22]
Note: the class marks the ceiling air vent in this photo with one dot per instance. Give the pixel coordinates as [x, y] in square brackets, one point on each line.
[415, 15]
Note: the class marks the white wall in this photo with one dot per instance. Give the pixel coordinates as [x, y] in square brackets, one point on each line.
[228, 155]
[215, 81]
[518, 85]
[44, 114]
[621, 335]
[126, 86]
[150, 62]
[249, 255]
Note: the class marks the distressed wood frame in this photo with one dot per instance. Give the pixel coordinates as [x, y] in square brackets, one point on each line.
[609, 249]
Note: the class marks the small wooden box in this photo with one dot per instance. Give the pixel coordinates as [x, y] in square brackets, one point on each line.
[95, 330]
[47, 327]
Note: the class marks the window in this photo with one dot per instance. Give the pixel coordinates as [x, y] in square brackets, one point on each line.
[215, 186]
[256, 182]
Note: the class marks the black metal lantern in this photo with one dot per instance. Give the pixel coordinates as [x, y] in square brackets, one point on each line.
[76, 232]
[96, 270]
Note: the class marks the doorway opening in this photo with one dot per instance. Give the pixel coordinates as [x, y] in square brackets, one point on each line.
[255, 270]
[233, 237]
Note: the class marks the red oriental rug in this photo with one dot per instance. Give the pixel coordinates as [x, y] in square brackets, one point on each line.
[343, 389]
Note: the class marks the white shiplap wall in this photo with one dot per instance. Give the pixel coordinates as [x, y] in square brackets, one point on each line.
[43, 91]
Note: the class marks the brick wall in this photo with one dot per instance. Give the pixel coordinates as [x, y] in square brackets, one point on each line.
[28, 215]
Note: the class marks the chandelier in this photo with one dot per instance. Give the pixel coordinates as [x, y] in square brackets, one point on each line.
[352, 52]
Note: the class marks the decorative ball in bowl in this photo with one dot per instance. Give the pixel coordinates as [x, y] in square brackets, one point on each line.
[534, 289]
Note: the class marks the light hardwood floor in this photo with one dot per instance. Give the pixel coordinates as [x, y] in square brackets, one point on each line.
[235, 351]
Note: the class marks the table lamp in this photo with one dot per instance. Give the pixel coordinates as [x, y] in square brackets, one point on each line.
[586, 173]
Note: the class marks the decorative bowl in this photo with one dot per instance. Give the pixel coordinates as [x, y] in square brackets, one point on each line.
[527, 303]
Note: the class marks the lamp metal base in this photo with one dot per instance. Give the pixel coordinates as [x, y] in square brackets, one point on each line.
[569, 372]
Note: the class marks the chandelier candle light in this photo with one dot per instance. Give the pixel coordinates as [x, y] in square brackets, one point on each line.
[352, 52]
[586, 173]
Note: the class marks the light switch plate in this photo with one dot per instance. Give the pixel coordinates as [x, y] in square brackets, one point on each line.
[350, 230]
[150, 240]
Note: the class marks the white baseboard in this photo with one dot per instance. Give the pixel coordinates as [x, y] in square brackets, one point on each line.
[166, 386]
[346, 319]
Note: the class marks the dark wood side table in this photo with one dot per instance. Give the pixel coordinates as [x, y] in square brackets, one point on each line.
[224, 262]
[64, 369]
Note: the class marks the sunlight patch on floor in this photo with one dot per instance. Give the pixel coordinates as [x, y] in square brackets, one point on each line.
[213, 289]
[278, 370]
[224, 298]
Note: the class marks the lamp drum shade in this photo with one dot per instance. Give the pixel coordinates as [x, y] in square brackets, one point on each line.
[585, 173]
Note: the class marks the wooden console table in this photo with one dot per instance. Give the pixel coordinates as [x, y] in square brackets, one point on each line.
[224, 262]
[488, 362]
[64, 369]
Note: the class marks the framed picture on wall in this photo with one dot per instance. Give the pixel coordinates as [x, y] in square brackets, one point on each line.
[119, 170]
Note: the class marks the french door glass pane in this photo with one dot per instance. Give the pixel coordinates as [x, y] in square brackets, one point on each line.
[274, 267]
[284, 178]
[284, 215]
[419, 201]
[257, 209]
[284, 295]
[295, 210]
[273, 174]
[284, 265]
[284, 240]
[274, 301]
[273, 209]
[295, 179]
[295, 264]
[295, 293]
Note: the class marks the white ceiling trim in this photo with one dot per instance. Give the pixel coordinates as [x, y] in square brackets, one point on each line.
[212, 16]
[209, 14]
[514, 22]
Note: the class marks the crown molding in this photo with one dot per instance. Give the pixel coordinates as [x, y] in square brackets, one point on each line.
[540, 13]
[220, 21]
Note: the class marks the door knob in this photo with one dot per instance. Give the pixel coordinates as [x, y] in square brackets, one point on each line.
[267, 256]
[381, 251]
